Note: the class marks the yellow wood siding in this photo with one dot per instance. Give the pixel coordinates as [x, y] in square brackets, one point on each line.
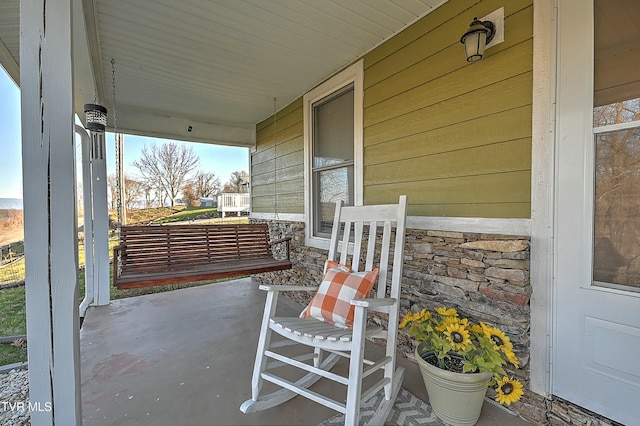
[454, 136]
[280, 170]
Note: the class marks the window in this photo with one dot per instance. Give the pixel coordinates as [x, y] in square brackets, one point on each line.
[333, 151]
[616, 121]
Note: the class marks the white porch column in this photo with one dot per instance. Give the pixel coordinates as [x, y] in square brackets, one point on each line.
[87, 195]
[50, 211]
[100, 220]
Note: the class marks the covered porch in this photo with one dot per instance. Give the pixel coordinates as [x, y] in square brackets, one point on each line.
[186, 357]
[492, 155]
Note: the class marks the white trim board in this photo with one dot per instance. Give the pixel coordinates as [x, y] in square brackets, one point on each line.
[476, 225]
[287, 217]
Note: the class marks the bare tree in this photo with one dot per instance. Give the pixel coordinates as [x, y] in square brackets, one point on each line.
[134, 191]
[112, 183]
[238, 182]
[189, 195]
[205, 184]
[166, 167]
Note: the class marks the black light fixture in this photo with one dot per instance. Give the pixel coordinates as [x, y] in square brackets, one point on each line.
[96, 116]
[479, 34]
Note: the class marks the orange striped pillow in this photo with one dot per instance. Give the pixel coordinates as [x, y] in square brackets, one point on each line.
[332, 302]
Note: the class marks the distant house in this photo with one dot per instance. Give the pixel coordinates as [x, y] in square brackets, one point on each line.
[209, 202]
[234, 202]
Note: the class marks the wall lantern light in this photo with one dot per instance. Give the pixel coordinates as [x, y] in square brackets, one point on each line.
[96, 116]
[479, 34]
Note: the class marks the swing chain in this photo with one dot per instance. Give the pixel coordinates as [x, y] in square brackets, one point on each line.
[275, 158]
[117, 142]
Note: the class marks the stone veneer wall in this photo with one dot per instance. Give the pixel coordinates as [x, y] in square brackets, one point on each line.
[484, 276]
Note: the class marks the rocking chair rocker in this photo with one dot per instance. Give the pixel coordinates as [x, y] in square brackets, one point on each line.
[321, 336]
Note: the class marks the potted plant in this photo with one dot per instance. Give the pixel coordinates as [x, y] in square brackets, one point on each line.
[458, 361]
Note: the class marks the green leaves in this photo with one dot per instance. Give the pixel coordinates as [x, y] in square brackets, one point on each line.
[488, 351]
[481, 354]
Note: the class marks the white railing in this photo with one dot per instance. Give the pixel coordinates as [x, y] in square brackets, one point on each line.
[233, 202]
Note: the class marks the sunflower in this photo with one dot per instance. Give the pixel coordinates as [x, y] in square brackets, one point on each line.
[450, 312]
[509, 390]
[424, 315]
[500, 341]
[458, 336]
[421, 316]
[446, 322]
[405, 321]
[476, 328]
[513, 359]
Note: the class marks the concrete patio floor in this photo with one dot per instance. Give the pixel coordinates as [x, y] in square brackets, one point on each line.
[185, 357]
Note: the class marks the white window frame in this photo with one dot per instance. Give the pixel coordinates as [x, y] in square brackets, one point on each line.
[354, 75]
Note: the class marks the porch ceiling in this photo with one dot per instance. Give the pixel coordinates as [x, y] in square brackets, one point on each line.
[215, 66]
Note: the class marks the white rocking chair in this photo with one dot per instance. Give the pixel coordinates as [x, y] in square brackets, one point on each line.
[340, 342]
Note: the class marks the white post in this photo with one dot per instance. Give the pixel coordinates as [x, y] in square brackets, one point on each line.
[100, 220]
[51, 243]
[87, 195]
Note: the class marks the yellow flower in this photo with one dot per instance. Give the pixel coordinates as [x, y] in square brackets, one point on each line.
[500, 341]
[421, 316]
[404, 322]
[450, 312]
[509, 390]
[424, 315]
[476, 328]
[447, 321]
[458, 336]
[513, 359]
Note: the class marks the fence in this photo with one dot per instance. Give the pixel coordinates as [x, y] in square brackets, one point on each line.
[12, 263]
[233, 203]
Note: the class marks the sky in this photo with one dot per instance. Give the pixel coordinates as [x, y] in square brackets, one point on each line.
[217, 159]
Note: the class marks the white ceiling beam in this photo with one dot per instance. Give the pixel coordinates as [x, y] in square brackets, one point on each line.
[163, 125]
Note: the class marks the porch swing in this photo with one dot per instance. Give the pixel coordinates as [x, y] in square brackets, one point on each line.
[149, 256]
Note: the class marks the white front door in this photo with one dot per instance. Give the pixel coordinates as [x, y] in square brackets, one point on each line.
[596, 344]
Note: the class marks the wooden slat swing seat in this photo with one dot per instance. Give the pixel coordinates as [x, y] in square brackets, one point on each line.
[173, 254]
[356, 230]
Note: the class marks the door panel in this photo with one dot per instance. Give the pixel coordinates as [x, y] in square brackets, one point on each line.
[611, 349]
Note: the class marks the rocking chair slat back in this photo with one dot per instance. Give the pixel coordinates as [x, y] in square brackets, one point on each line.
[354, 253]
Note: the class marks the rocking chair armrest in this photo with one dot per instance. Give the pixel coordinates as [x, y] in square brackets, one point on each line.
[373, 302]
[288, 287]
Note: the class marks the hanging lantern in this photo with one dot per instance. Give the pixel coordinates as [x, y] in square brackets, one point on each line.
[479, 34]
[96, 116]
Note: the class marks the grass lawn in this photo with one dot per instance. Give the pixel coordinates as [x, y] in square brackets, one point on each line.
[189, 214]
[12, 300]
[13, 310]
[12, 323]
